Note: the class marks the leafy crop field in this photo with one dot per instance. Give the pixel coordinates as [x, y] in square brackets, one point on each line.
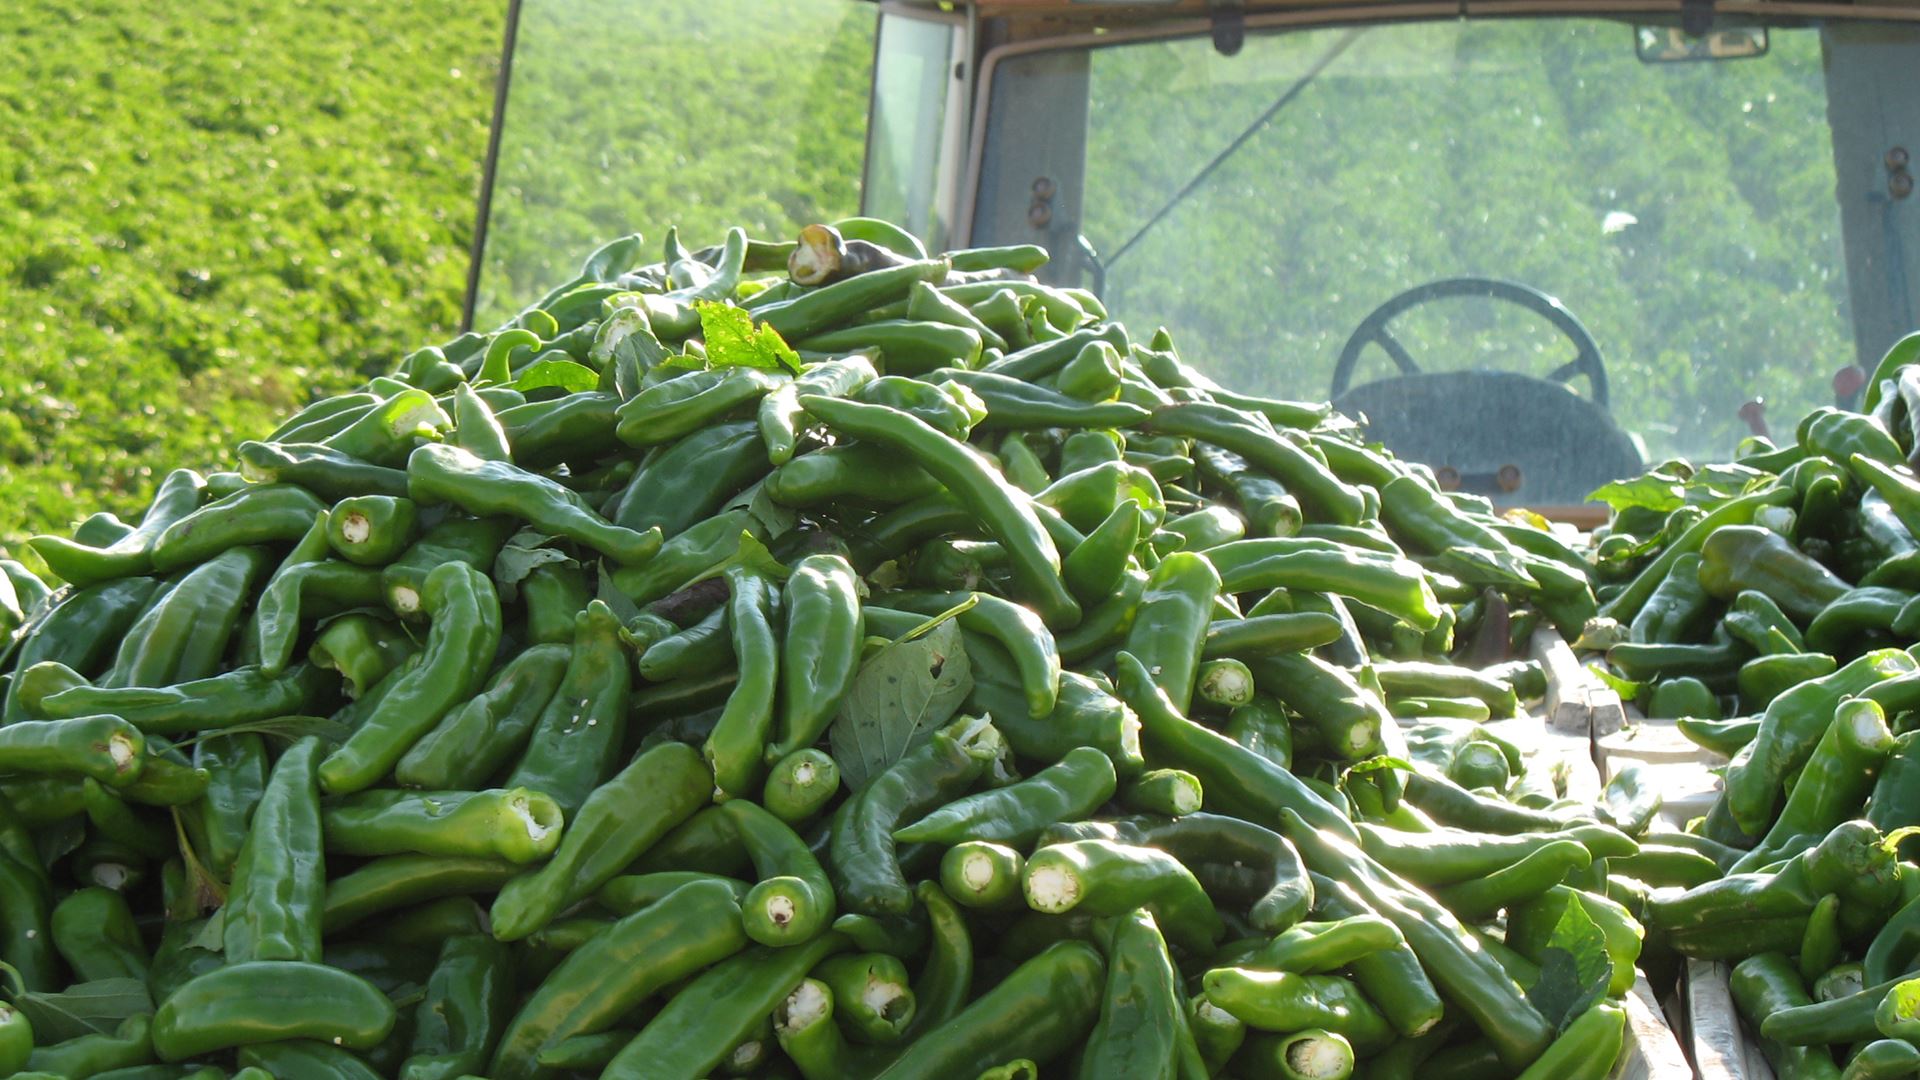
[209, 211]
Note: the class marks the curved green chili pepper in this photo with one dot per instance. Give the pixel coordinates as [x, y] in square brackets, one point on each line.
[442, 473]
[864, 867]
[618, 821]
[1002, 509]
[465, 632]
[1071, 788]
[1101, 877]
[793, 900]
[179, 494]
[473, 741]
[820, 651]
[258, 515]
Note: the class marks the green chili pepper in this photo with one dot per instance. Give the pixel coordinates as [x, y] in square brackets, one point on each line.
[682, 485]
[1253, 438]
[178, 495]
[1741, 557]
[183, 633]
[465, 614]
[1764, 985]
[475, 427]
[1141, 1018]
[1587, 1049]
[1393, 584]
[398, 880]
[1170, 632]
[781, 417]
[1106, 878]
[1074, 787]
[270, 1001]
[700, 650]
[1287, 1002]
[471, 541]
[371, 529]
[793, 901]
[1037, 1012]
[738, 745]
[1002, 509]
[982, 874]
[1883, 1059]
[577, 428]
[385, 434]
[362, 648]
[552, 594]
[718, 1010]
[1833, 784]
[441, 473]
[127, 1045]
[1173, 792]
[80, 632]
[517, 825]
[273, 908]
[691, 928]
[866, 875]
[629, 893]
[808, 1033]
[608, 833]
[473, 741]
[238, 696]
[320, 469]
[820, 650]
[859, 472]
[800, 785]
[1790, 729]
[103, 747]
[94, 932]
[875, 1004]
[262, 514]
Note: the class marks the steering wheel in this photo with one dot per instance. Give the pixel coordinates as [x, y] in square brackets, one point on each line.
[1373, 329]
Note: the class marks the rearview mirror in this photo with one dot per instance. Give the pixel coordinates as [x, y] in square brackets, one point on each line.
[1673, 45]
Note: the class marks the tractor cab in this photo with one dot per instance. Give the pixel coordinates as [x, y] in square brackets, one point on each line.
[1535, 244]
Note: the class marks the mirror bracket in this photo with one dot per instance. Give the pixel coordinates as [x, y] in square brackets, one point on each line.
[1229, 18]
[1696, 17]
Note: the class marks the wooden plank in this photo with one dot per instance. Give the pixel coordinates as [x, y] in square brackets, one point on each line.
[1720, 1047]
[1653, 1051]
[1568, 684]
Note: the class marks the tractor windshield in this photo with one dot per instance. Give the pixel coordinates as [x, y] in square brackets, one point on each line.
[1687, 218]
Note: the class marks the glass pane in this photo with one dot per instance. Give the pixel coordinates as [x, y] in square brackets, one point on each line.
[633, 115]
[1685, 213]
[909, 125]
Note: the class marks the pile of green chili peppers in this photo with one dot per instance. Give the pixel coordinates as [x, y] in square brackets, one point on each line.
[1770, 609]
[905, 674]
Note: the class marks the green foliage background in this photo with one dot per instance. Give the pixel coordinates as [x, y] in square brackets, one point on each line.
[210, 212]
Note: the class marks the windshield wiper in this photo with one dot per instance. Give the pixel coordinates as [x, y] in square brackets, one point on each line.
[1286, 98]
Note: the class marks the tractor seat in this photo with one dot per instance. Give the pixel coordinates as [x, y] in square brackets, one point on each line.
[1516, 439]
